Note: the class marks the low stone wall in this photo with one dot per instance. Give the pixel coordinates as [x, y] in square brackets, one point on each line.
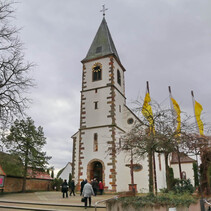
[118, 206]
[14, 184]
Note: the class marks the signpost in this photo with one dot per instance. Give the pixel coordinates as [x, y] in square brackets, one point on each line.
[2, 179]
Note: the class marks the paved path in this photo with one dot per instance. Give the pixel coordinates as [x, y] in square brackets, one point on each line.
[50, 198]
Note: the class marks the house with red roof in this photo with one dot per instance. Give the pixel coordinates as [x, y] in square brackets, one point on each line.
[11, 176]
[186, 166]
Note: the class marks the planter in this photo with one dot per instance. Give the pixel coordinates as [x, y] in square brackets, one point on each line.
[118, 206]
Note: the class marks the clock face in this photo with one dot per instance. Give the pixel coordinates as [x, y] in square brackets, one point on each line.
[97, 67]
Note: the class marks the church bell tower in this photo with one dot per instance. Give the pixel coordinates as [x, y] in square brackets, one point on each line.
[102, 101]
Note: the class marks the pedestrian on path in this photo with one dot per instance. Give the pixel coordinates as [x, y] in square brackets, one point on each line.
[87, 193]
[101, 187]
[72, 188]
[82, 185]
[65, 188]
[95, 186]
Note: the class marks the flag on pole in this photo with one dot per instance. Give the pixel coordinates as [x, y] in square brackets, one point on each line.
[197, 111]
[147, 109]
[177, 111]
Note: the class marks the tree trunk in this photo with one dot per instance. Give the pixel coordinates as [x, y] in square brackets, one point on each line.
[150, 172]
[25, 167]
[24, 178]
[167, 171]
[154, 173]
[179, 162]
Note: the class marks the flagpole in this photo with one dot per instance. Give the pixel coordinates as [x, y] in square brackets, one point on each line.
[198, 173]
[148, 86]
[153, 154]
[193, 101]
[178, 153]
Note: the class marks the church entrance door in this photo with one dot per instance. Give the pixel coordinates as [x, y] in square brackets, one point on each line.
[96, 171]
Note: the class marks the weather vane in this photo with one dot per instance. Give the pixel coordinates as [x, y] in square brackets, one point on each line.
[103, 10]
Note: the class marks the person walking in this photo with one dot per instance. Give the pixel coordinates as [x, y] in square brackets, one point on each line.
[72, 187]
[82, 186]
[87, 193]
[65, 188]
[95, 186]
[101, 187]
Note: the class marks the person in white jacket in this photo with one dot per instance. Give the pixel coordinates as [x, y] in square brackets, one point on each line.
[87, 193]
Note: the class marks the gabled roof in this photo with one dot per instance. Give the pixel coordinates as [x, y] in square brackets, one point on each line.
[102, 44]
[183, 158]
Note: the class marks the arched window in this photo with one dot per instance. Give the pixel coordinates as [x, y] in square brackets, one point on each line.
[97, 72]
[118, 77]
[95, 145]
[183, 175]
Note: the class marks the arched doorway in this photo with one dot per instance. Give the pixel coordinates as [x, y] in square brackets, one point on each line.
[95, 169]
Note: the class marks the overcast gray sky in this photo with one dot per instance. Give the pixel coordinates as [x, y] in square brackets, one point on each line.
[165, 42]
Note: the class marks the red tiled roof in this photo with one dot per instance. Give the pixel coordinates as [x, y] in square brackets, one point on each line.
[38, 174]
[183, 158]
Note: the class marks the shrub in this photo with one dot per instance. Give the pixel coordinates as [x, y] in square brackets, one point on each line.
[56, 184]
[171, 177]
[183, 186]
[151, 200]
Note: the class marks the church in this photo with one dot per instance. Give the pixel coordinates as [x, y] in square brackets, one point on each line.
[104, 118]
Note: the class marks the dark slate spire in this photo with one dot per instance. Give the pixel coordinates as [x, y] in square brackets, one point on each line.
[102, 44]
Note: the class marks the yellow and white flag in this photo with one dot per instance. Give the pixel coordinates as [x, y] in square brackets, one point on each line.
[197, 111]
[177, 111]
[147, 109]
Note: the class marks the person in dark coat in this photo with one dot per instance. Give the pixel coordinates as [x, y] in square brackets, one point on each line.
[65, 188]
[72, 187]
[95, 186]
[82, 185]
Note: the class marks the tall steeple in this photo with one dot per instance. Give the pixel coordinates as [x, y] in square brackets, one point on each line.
[102, 44]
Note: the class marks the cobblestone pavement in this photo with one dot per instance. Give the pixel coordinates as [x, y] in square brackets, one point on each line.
[51, 198]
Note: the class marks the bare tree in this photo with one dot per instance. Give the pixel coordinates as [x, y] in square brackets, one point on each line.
[160, 136]
[14, 71]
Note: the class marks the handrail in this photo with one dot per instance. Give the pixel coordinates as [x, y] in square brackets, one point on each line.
[205, 200]
[96, 203]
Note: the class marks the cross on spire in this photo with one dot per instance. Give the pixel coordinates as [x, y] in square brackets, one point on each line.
[103, 10]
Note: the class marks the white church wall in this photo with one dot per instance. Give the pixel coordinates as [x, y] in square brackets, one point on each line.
[104, 135]
[187, 168]
[140, 177]
[123, 175]
[103, 107]
[160, 171]
[119, 101]
[127, 114]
